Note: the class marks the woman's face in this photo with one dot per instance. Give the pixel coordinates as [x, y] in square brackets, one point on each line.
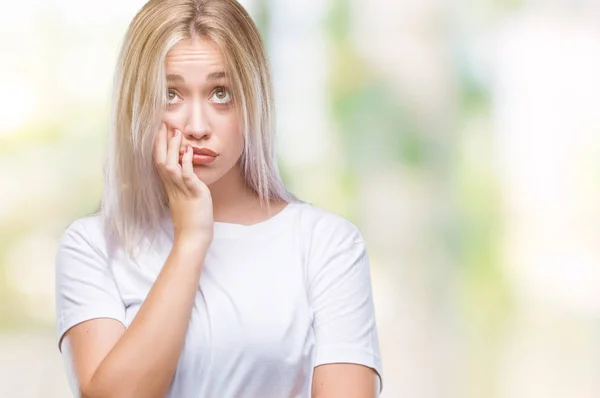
[200, 105]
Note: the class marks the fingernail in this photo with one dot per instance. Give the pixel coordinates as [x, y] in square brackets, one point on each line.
[177, 132]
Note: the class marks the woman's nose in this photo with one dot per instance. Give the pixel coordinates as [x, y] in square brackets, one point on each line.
[197, 124]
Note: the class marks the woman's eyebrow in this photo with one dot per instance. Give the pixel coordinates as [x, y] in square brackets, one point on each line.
[215, 76]
[179, 79]
[175, 79]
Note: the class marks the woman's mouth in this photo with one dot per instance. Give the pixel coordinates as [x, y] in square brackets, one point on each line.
[202, 159]
[201, 155]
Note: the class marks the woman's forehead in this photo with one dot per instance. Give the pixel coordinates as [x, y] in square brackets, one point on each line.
[195, 56]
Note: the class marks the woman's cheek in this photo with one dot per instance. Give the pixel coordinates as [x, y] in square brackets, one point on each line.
[172, 119]
[229, 123]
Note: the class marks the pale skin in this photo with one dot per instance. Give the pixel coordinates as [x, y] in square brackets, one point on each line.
[112, 361]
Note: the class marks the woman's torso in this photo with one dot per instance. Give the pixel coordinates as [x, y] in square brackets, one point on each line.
[250, 331]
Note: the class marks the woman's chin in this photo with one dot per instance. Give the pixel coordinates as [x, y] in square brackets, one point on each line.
[205, 175]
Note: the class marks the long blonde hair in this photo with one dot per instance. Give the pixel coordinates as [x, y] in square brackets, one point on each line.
[134, 199]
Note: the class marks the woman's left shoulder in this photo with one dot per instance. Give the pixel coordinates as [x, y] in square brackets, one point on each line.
[326, 227]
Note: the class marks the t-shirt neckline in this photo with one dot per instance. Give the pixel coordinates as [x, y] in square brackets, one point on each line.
[256, 230]
[252, 231]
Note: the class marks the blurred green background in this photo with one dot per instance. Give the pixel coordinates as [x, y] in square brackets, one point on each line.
[460, 137]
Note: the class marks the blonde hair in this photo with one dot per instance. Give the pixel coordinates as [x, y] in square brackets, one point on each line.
[134, 199]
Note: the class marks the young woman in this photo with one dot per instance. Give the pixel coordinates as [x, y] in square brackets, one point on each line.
[201, 276]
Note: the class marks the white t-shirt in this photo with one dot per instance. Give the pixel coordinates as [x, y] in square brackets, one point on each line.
[275, 299]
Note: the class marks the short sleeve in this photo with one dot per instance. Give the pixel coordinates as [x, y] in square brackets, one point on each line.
[344, 318]
[85, 288]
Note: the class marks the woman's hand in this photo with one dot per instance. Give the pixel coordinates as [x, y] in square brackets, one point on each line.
[190, 202]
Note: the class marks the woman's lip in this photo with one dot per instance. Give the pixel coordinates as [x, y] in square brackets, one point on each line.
[203, 151]
[199, 159]
[200, 155]
[202, 159]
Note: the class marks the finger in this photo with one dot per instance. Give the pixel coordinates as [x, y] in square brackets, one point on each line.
[160, 146]
[187, 169]
[172, 166]
[194, 184]
[160, 154]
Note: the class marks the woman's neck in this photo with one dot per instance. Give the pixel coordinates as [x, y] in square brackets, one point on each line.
[235, 202]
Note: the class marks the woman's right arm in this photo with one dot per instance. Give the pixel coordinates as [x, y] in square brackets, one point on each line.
[111, 361]
[140, 361]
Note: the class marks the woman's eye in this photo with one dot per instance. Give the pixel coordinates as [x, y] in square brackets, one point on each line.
[221, 95]
[172, 97]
